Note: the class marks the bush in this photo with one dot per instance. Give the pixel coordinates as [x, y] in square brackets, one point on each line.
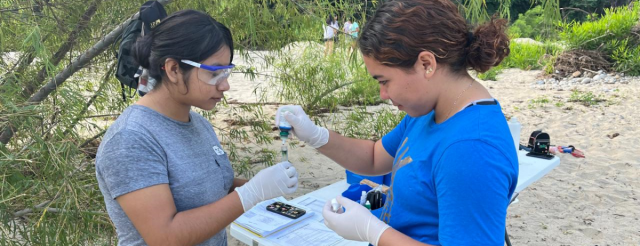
[528, 25]
[611, 34]
[601, 34]
[525, 56]
[627, 59]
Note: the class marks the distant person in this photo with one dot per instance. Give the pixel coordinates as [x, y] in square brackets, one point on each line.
[452, 162]
[336, 28]
[328, 37]
[354, 29]
[162, 171]
[347, 28]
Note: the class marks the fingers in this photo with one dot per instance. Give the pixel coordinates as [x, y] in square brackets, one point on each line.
[291, 172]
[290, 180]
[293, 119]
[346, 202]
[297, 109]
[328, 214]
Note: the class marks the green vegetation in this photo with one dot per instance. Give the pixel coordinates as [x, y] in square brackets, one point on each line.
[585, 98]
[528, 25]
[611, 34]
[363, 124]
[322, 83]
[48, 191]
[538, 102]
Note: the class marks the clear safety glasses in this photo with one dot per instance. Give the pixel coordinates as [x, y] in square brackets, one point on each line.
[211, 75]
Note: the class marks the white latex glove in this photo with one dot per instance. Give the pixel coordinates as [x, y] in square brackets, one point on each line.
[303, 128]
[271, 182]
[356, 223]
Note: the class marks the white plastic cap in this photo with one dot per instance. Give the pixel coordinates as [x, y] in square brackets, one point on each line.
[335, 205]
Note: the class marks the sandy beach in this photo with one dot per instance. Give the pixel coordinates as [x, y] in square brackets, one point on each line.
[590, 201]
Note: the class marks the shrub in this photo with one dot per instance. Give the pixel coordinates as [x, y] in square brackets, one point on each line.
[627, 58]
[611, 34]
[528, 25]
[524, 56]
[615, 25]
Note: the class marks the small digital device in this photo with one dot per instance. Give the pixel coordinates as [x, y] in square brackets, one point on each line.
[286, 210]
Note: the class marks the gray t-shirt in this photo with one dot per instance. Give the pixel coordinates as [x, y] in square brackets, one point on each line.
[143, 148]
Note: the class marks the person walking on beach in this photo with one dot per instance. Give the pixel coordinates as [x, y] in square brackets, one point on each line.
[452, 162]
[328, 36]
[164, 176]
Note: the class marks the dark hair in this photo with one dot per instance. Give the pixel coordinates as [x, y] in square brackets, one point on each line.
[329, 20]
[400, 30]
[185, 34]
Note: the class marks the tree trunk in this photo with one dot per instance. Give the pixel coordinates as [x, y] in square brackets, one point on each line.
[73, 67]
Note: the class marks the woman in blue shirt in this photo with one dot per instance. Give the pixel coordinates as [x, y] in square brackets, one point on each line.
[453, 165]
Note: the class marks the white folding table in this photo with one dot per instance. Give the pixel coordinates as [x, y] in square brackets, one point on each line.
[530, 170]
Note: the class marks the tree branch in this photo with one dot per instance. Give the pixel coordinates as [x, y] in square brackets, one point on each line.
[64, 48]
[105, 80]
[73, 67]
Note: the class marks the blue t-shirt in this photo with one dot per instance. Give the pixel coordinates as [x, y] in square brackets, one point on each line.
[452, 182]
[354, 29]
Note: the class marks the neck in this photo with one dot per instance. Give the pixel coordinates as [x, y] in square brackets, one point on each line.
[460, 92]
[162, 102]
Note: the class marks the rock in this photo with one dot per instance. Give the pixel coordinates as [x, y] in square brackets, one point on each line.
[599, 77]
[540, 82]
[600, 71]
[576, 74]
[586, 80]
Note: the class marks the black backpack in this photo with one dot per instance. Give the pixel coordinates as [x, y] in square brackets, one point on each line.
[128, 70]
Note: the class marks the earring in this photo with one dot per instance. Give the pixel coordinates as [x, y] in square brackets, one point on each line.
[429, 70]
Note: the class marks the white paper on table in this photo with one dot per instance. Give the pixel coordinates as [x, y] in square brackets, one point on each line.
[311, 233]
[316, 205]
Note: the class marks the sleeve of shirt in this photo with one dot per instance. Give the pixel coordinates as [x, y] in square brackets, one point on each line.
[474, 182]
[131, 161]
[392, 140]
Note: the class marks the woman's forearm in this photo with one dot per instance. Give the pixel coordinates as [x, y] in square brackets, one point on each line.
[357, 155]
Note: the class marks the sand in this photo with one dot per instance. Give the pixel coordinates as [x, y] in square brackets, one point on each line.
[591, 201]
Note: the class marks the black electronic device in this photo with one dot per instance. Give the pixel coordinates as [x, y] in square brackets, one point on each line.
[286, 210]
[539, 143]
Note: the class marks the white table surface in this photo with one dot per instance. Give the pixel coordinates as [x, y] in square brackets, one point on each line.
[530, 170]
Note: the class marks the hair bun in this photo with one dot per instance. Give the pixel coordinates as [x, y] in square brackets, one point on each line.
[488, 46]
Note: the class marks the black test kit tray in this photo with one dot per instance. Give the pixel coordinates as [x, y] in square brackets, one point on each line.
[286, 210]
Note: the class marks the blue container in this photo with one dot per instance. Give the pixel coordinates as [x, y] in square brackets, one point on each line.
[386, 179]
[353, 178]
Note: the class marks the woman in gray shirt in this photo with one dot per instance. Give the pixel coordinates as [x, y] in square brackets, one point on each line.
[164, 176]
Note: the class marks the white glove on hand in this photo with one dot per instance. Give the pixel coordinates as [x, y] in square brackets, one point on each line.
[356, 223]
[271, 182]
[303, 128]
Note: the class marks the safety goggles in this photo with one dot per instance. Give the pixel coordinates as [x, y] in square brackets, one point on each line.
[211, 75]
